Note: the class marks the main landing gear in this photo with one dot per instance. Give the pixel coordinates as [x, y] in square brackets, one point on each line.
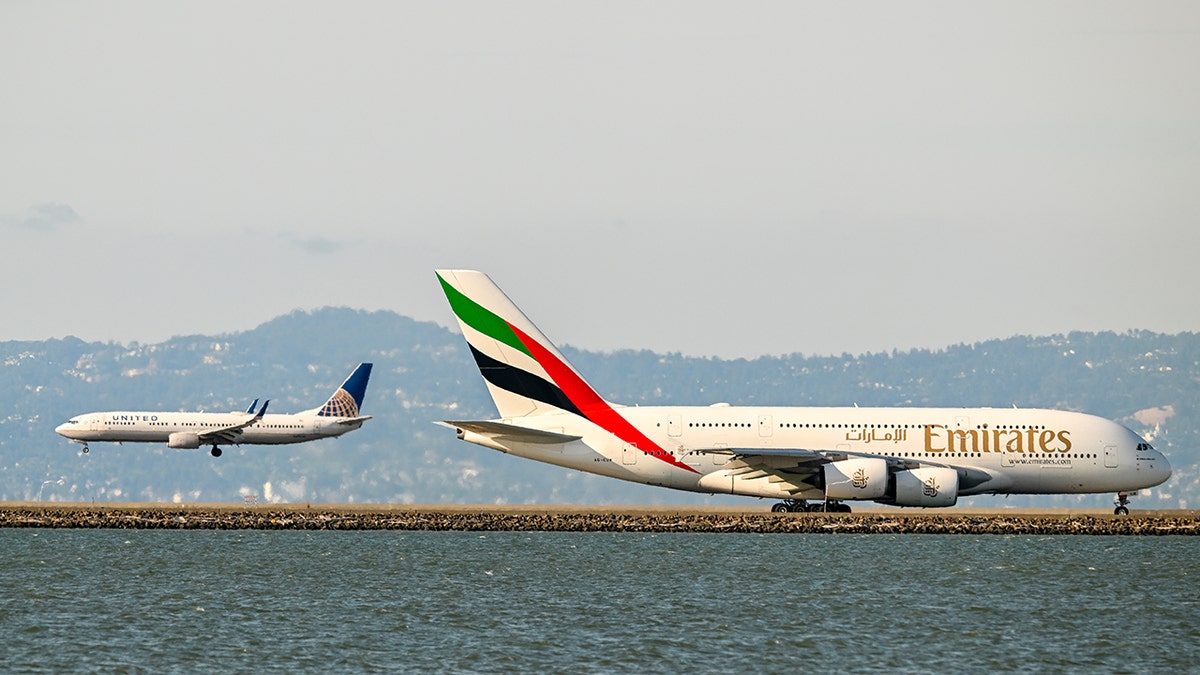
[215, 452]
[800, 506]
[1122, 502]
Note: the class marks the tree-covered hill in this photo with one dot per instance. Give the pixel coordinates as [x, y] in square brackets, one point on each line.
[423, 373]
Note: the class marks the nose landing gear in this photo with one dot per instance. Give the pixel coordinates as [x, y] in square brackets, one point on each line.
[1122, 502]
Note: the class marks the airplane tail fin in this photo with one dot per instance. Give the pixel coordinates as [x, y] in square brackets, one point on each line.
[348, 399]
[525, 373]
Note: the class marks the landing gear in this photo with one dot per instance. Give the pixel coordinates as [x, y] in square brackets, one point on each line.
[86, 449]
[1122, 502]
[216, 452]
[800, 506]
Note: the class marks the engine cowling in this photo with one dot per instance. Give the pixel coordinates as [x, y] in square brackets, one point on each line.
[856, 478]
[927, 486]
[184, 440]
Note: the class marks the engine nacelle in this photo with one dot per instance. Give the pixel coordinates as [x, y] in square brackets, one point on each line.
[927, 486]
[856, 478]
[185, 440]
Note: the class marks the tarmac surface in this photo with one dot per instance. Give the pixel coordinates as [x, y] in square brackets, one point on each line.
[592, 519]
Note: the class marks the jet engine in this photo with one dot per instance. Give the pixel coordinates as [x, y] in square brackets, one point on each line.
[855, 478]
[927, 486]
[183, 439]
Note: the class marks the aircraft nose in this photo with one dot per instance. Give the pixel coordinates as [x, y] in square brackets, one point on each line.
[66, 429]
[1162, 469]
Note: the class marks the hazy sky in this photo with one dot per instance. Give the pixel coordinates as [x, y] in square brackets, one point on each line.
[729, 179]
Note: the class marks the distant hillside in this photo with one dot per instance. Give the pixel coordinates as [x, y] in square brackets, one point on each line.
[423, 373]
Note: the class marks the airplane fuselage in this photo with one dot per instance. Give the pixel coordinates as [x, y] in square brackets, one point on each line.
[1003, 451]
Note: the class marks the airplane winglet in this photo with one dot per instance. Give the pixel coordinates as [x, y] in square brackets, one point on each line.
[252, 407]
[263, 411]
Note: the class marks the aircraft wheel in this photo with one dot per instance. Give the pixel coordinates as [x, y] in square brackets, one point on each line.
[216, 452]
[86, 449]
[780, 508]
[844, 508]
[816, 508]
[1120, 511]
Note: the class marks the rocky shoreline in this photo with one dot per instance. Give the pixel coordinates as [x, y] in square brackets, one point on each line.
[552, 519]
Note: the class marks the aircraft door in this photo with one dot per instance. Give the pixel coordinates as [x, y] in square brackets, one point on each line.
[764, 425]
[1110, 456]
[674, 426]
[629, 454]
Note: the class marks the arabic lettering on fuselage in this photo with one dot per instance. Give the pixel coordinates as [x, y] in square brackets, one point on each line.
[868, 435]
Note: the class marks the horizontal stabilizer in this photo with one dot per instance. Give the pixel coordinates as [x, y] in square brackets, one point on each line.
[355, 420]
[512, 432]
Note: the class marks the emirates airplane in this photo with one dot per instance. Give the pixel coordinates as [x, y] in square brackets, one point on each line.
[926, 457]
[190, 430]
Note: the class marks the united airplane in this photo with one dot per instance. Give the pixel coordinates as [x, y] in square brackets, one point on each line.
[190, 430]
[809, 458]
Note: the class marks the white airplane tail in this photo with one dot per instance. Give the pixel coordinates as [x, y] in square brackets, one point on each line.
[525, 373]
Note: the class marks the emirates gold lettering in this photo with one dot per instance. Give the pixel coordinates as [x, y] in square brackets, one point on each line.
[1062, 437]
[939, 438]
[962, 436]
[1015, 443]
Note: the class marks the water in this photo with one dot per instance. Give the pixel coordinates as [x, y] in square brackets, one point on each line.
[163, 601]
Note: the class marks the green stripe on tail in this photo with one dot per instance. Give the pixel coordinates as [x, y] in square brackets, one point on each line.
[480, 318]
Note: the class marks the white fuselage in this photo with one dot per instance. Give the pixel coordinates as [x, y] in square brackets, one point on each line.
[1007, 451]
[157, 427]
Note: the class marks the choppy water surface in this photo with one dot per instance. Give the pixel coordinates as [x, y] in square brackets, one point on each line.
[108, 600]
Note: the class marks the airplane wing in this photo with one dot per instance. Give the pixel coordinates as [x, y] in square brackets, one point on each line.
[230, 434]
[805, 457]
[791, 467]
[795, 465]
[511, 432]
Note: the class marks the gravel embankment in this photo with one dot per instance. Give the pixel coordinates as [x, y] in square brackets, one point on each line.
[591, 519]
